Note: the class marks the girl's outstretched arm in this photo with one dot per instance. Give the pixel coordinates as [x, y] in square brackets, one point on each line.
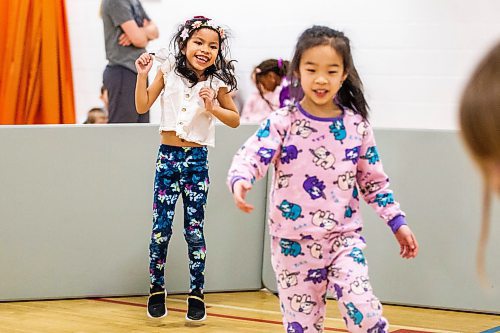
[227, 112]
[145, 96]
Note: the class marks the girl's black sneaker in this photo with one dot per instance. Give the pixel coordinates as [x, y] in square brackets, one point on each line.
[196, 306]
[156, 303]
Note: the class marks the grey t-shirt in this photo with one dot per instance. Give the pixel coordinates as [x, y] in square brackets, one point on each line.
[114, 13]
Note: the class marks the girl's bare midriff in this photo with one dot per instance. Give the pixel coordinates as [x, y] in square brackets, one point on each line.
[169, 138]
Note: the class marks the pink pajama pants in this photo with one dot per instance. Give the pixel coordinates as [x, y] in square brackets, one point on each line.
[306, 269]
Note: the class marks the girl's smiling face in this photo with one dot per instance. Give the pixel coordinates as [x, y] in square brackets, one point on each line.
[321, 72]
[202, 49]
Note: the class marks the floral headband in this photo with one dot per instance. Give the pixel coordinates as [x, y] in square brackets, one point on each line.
[198, 22]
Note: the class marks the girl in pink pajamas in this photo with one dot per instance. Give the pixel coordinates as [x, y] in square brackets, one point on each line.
[325, 158]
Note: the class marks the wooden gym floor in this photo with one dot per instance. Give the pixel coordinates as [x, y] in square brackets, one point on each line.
[235, 312]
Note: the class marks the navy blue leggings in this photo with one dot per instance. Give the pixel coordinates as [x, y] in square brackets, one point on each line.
[179, 171]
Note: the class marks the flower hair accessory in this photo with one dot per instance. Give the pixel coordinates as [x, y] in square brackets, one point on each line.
[198, 22]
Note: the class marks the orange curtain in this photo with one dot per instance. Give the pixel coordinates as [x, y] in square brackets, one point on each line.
[36, 83]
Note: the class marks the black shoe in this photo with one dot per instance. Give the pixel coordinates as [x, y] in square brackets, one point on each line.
[196, 306]
[156, 303]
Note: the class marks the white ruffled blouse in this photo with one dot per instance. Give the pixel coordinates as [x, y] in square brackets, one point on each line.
[182, 109]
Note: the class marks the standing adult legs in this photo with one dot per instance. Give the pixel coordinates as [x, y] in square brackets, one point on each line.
[120, 84]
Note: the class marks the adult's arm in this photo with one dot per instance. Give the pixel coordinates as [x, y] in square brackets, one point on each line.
[140, 36]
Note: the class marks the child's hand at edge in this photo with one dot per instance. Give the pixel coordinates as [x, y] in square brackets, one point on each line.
[240, 190]
[407, 242]
[208, 96]
[144, 63]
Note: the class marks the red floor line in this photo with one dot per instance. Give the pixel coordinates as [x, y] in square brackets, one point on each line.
[130, 303]
[265, 321]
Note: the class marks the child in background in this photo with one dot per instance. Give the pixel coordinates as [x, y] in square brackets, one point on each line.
[268, 77]
[325, 158]
[97, 116]
[190, 81]
[480, 124]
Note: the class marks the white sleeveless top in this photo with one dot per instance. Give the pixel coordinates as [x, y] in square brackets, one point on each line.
[182, 109]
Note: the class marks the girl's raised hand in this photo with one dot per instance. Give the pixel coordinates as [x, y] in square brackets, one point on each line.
[407, 242]
[240, 190]
[208, 96]
[144, 63]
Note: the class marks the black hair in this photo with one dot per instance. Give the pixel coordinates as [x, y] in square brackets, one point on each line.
[91, 115]
[222, 69]
[277, 66]
[351, 92]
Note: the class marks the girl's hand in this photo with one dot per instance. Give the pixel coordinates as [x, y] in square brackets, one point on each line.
[407, 242]
[240, 190]
[144, 63]
[208, 96]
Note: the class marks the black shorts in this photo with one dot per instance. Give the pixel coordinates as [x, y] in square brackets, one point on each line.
[120, 83]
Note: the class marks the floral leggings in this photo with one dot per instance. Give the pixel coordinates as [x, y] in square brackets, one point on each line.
[179, 171]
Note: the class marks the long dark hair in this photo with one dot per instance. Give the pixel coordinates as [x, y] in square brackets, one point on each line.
[351, 93]
[222, 69]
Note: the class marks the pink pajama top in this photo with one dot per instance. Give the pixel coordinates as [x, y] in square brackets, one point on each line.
[322, 168]
[257, 109]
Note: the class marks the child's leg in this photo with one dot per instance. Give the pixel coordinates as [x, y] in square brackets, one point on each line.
[166, 193]
[349, 281]
[194, 184]
[302, 284]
